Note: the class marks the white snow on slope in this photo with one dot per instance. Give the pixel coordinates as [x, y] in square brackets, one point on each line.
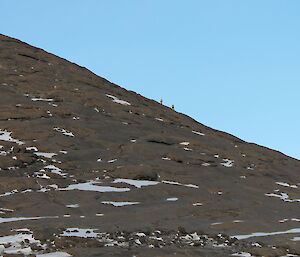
[227, 163]
[54, 170]
[54, 254]
[198, 133]
[92, 186]
[18, 243]
[80, 232]
[172, 199]
[117, 100]
[64, 132]
[119, 204]
[73, 206]
[242, 254]
[6, 220]
[286, 184]
[179, 184]
[41, 99]
[262, 234]
[6, 136]
[136, 183]
[292, 219]
[46, 155]
[283, 196]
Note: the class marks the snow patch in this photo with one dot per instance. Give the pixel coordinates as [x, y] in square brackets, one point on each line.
[117, 100]
[136, 183]
[92, 186]
[6, 136]
[119, 204]
[172, 199]
[35, 99]
[263, 234]
[198, 133]
[179, 184]
[64, 132]
[227, 163]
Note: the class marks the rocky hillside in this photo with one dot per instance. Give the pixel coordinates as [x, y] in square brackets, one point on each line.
[88, 168]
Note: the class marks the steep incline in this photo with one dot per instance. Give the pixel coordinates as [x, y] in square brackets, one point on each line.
[86, 163]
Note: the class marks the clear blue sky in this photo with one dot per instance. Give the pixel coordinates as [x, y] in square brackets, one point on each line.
[233, 65]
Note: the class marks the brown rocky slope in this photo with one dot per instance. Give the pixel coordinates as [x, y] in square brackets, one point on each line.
[88, 168]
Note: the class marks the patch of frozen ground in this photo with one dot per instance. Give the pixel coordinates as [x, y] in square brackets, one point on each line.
[179, 184]
[283, 196]
[80, 232]
[46, 189]
[41, 175]
[73, 206]
[87, 186]
[234, 221]
[32, 148]
[6, 136]
[92, 186]
[9, 193]
[286, 184]
[46, 155]
[227, 163]
[197, 204]
[119, 204]
[54, 170]
[297, 238]
[4, 210]
[64, 131]
[54, 254]
[17, 238]
[262, 234]
[19, 243]
[117, 100]
[172, 199]
[13, 219]
[184, 143]
[42, 154]
[41, 99]
[198, 133]
[242, 254]
[143, 183]
[136, 183]
[292, 219]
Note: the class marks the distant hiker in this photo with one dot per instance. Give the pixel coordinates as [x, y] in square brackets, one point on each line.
[173, 107]
[161, 101]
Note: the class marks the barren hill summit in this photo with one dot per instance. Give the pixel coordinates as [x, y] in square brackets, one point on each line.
[88, 168]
